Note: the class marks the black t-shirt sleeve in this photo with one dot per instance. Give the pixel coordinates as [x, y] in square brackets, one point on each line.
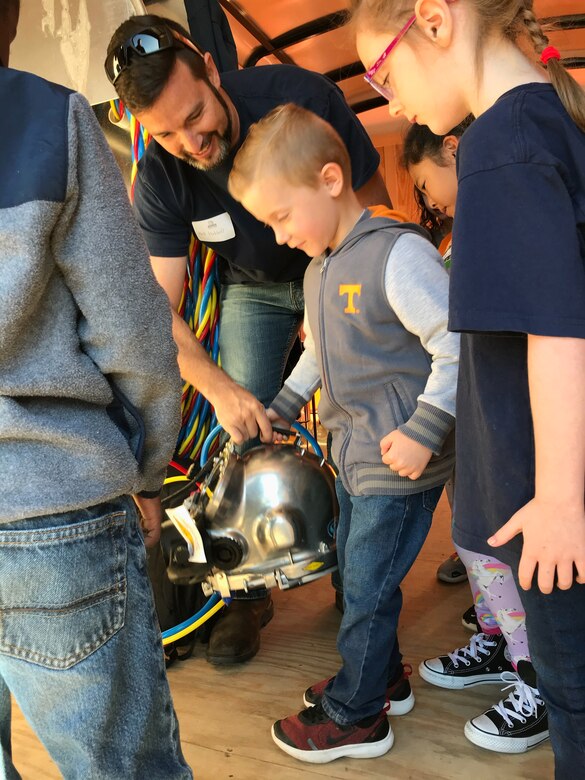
[165, 229]
[517, 263]
[364, 157]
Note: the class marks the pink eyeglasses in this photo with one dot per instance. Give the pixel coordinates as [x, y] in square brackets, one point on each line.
[387, 92]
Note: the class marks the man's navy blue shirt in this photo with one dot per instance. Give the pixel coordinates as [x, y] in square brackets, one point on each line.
[518, 268]
[170, 194]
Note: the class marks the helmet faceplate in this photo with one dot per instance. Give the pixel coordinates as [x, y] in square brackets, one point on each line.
[267, 518]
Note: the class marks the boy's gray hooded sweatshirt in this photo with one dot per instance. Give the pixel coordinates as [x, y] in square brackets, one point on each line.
[89, 383]
[379, 347]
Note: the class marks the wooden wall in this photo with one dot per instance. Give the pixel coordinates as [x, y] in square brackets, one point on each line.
[398, 182]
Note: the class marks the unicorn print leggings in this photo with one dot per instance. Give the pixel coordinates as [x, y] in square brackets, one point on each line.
[497, 601]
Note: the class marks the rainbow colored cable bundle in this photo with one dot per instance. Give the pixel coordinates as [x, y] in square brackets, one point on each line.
[199, 307]
[139, 136]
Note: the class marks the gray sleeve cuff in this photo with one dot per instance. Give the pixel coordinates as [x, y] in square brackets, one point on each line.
[429, 426]
[288, 404]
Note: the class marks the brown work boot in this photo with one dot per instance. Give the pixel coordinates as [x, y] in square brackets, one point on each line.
[235, 638]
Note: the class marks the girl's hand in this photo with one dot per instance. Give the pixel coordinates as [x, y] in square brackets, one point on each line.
[403, 455]
[279, 422]
[554, 540]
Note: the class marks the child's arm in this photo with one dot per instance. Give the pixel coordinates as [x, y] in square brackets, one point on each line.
[553, 522]
[300, 386]
[417, 288]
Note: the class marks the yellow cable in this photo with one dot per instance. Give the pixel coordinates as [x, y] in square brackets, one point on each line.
[196, 624]
[202, 436]
[184, 446]
[168, 480]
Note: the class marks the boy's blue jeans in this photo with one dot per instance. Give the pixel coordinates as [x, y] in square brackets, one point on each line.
[80, 647]
[378, 539]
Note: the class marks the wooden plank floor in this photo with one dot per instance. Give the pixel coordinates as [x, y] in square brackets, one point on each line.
[225, 714]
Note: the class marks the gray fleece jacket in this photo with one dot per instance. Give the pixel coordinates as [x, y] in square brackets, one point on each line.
[378, 346]
[89, 383]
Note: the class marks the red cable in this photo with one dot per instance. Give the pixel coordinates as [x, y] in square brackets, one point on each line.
[179, 468]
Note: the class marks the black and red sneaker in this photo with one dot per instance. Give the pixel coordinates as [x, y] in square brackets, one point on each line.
[313, 737]
[399, 696]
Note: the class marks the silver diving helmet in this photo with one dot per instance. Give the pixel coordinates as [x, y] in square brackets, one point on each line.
[260, 520]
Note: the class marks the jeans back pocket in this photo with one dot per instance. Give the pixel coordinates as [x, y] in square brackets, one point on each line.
[62, 588]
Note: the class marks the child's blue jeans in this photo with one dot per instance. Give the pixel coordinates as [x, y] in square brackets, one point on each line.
[378, 539]
[80, 647]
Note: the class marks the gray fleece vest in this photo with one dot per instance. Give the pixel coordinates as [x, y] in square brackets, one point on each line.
[372, 368]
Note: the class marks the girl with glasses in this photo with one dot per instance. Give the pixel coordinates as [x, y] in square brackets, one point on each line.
[498, 650]
[517, 295]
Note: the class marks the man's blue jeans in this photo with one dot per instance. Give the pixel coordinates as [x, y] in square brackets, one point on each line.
[555, 624]
[378, 539]
[258, 326]
[80, 647]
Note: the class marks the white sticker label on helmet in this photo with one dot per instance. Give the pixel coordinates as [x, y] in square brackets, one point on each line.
[187, 527]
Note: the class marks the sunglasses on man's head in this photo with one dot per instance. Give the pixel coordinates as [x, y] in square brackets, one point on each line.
[149, 41]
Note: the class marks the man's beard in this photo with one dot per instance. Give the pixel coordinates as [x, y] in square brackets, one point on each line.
[224, 140]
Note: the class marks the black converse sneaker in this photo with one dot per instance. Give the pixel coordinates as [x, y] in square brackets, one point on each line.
[482, 661]
[514, 725]
[469, 620]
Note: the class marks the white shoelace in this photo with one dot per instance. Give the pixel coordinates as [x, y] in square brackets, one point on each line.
[521, 704]
[480, 644]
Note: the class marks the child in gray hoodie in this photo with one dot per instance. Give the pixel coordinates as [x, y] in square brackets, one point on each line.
[377, 344]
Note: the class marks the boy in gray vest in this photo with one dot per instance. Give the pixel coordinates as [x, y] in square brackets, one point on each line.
[378, 346]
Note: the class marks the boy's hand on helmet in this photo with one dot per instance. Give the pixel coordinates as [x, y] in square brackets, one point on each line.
[277, 422]
[403, 455]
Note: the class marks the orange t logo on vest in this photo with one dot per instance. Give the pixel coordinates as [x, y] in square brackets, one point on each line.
[350, 290]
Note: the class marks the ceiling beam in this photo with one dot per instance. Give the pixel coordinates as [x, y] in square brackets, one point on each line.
[566, 22]
[367, 105]
[296, 35]
[345, 71]
[573, 62]
[241, 15]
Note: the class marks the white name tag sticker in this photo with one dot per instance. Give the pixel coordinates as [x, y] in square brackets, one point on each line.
[219, 228]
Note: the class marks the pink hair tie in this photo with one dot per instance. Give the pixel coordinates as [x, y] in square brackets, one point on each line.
[550, 53]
